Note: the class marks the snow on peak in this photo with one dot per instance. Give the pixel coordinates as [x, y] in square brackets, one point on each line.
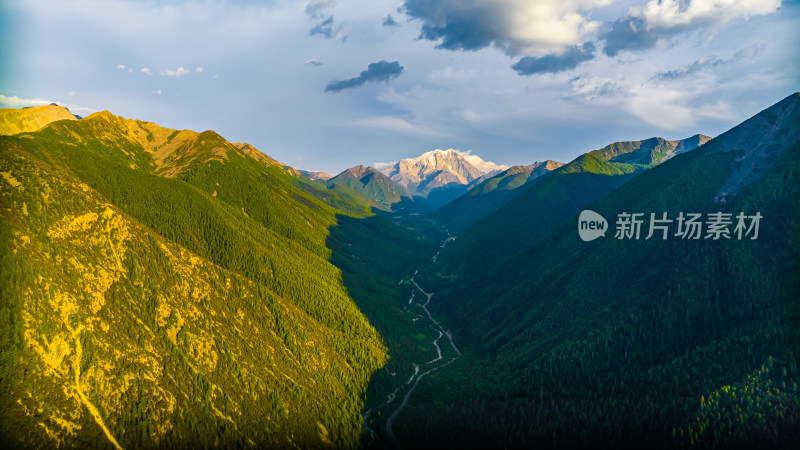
[429, 159]
[438, 168]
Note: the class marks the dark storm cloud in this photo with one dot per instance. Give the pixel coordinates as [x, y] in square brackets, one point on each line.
[390, 22]
[376, 72]
[570, 59]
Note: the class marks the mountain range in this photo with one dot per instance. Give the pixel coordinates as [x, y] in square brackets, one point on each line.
[171, 288]
[489, 195]
[440, 175]
[644, 342]
[372, 184]
[540, 207]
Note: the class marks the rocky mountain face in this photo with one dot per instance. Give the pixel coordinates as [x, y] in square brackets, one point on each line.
[760, 143]
[434, 170]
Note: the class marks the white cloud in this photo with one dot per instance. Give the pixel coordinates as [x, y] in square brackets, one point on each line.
[657, 23]
[158, 92]
[750, 51]
[518, 27]
[719, 110]
[395, 124]
[121, 66]
[70, 93]
[17, 102]
[661, 107]
[449, 75]
[146, 71]
[480, 163]
[472, 97]
[670, 14]
[596, 89]
[673, 109]
[177, 73]
[198, 69]
[383, 165]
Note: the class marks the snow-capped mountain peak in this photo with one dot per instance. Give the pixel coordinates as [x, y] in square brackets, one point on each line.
[439, 168]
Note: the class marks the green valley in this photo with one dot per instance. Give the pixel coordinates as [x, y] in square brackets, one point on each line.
[676, 343]
[170, 288]
[400, 225]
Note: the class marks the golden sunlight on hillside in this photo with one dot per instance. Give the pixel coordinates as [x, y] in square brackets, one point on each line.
[13, 121]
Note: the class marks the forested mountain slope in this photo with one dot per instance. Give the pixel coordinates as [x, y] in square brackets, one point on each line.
[490, 195]
[548, 202]
[372, 184]
[169, 288]
[642, 342]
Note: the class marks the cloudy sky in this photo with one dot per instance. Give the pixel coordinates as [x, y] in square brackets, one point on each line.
[327, 84]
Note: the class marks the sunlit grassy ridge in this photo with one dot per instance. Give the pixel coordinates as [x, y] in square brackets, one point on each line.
[174, 297]
[13, 121]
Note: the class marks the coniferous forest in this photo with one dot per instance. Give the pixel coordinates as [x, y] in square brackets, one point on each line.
[171, 289]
